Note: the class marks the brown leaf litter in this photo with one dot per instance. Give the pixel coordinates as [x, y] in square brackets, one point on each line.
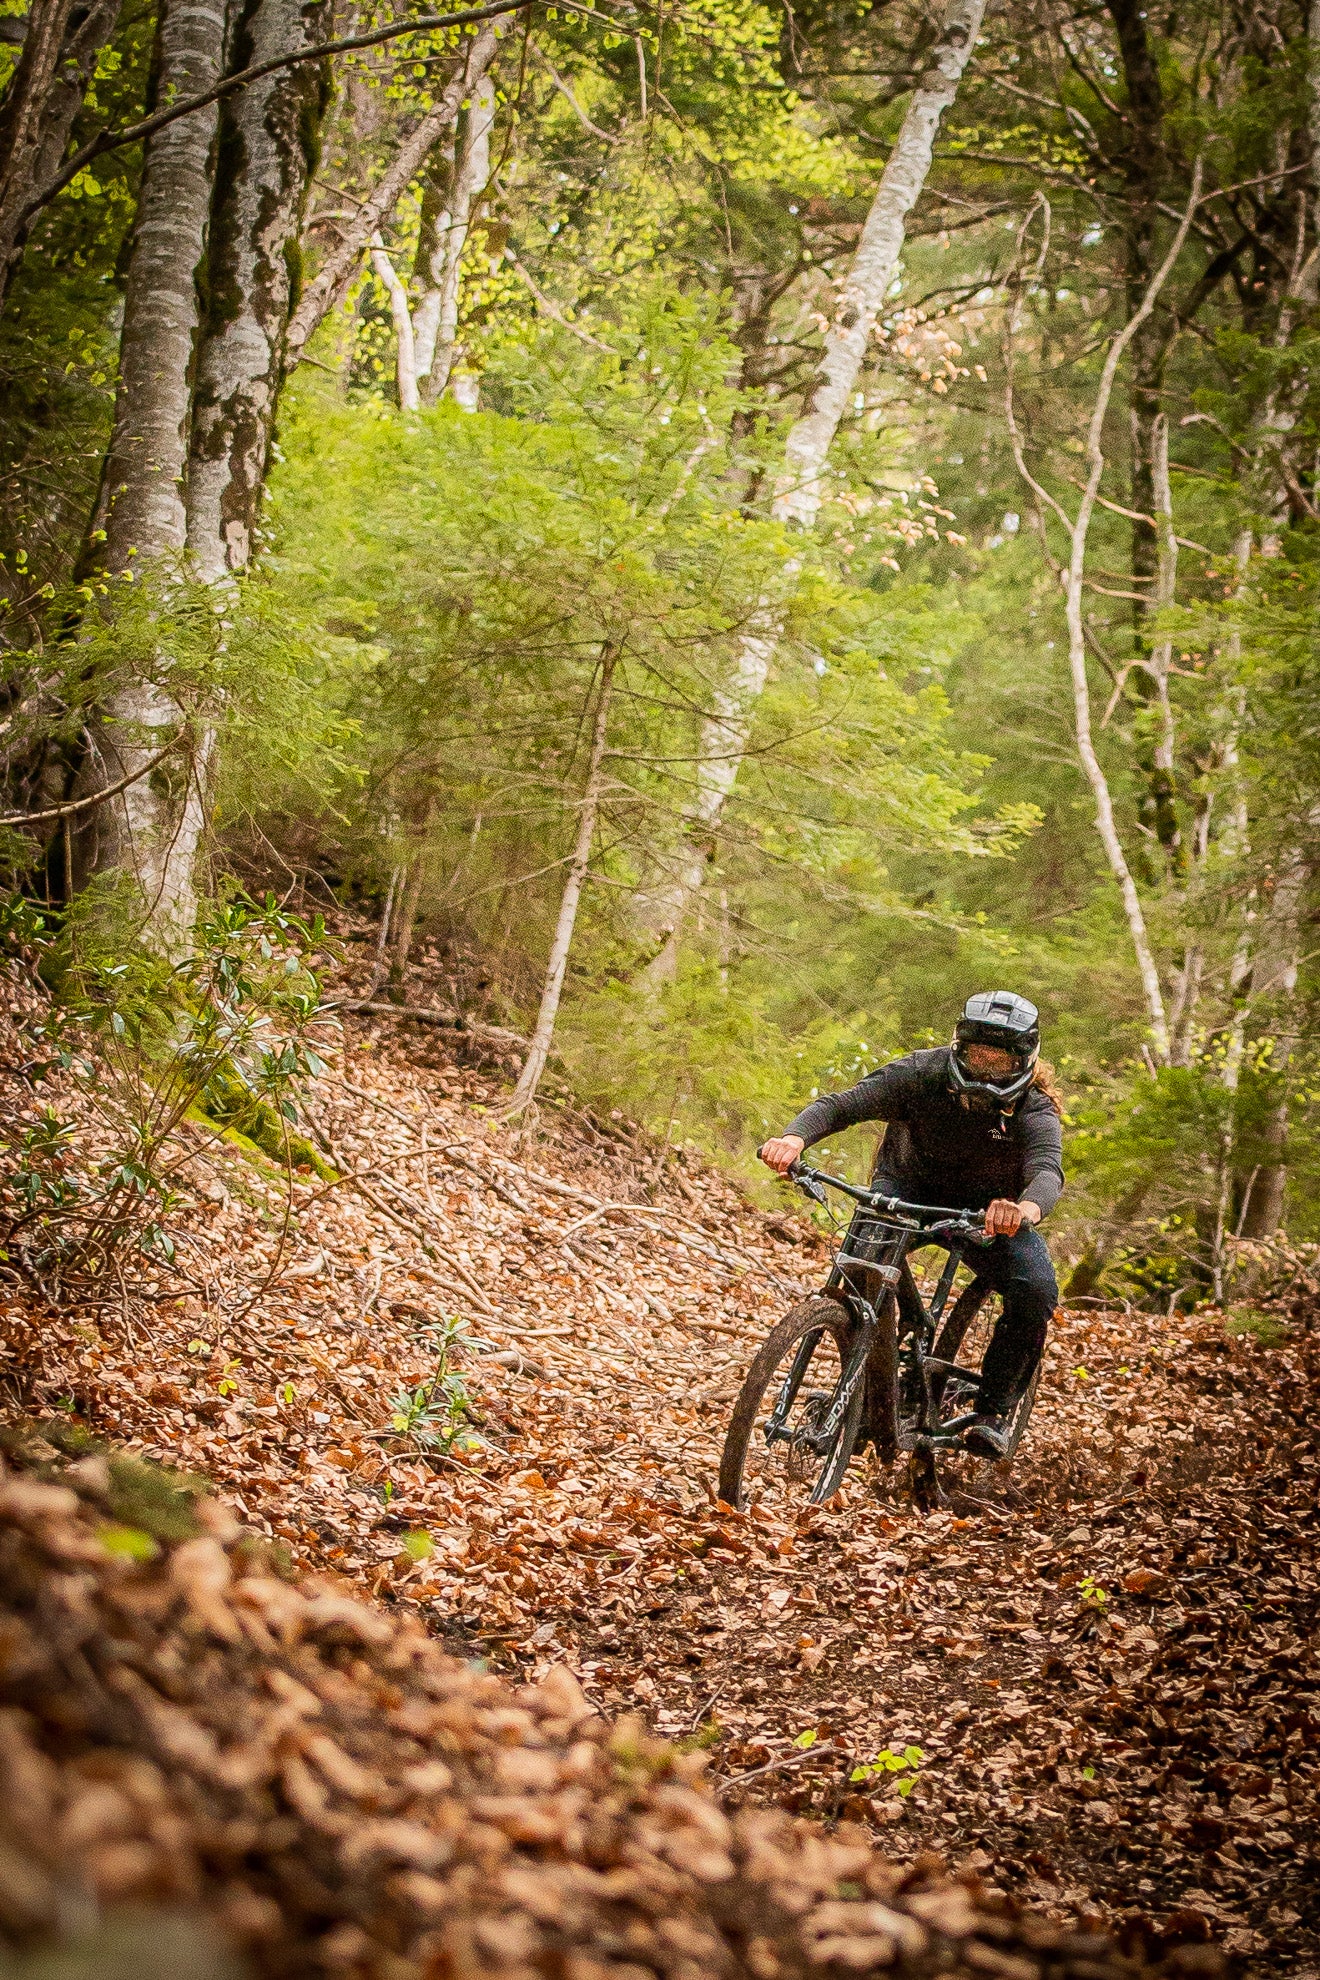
[1105, 1657]
[195, 1733]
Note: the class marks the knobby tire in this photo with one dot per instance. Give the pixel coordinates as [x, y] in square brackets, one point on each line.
[882, 1383]
[755, 1398]
[953, 1333]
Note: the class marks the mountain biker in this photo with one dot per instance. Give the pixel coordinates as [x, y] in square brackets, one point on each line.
[974, 1125]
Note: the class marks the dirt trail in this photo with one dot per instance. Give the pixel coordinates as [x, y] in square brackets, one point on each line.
[1108, 1661]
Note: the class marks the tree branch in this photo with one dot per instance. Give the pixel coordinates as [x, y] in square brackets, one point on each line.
[96, 147]
[97, 797]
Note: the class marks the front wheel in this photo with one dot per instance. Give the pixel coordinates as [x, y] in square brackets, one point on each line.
[774, 1446]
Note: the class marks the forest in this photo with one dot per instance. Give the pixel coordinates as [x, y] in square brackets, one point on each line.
[575, 574]
[727, 530]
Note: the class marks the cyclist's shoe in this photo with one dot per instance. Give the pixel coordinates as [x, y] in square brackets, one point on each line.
[987, 1437]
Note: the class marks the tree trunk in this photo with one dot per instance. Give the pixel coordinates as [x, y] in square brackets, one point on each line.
[1231, 1078]
[1275, 975]
[328, 287]
[725, 731]
[25, 133]
[91, 24]
[874, 266]
[150, 831]
[411, 900]
[260, 178]
[539, 1049]
[1074, 577]
[1163, 782]
[1140, 160]
[267, 138]
[437, 312]
[405, 364]
[432, 232]
[140, 509]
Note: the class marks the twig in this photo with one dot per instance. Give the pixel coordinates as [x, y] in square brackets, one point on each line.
[709, 1705]
[448, 1020]
[96, 797]
[771, 1767]
[425, 1239]
[552, 309]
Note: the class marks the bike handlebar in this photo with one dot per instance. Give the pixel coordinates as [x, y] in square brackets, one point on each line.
[967, 1223]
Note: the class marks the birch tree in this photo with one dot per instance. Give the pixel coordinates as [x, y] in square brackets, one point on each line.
[1077, 528]
[405, 346]
[538, 1051]
[328, 287]
[727, 727]
[150, 830]
[440, 252]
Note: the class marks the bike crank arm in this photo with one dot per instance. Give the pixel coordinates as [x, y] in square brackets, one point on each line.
[947, 1435]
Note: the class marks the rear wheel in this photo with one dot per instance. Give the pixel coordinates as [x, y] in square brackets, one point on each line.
[964, 1337]
[793, 1380]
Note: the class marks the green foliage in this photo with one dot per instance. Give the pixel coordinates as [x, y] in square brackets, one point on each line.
[905, 1762]
[134, 1046]
[1266, 1329]
[434, 1415]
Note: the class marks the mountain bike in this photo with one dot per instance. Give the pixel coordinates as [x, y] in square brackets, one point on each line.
[866, 1361]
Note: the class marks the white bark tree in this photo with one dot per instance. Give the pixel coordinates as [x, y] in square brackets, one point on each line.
[543, 1032]
[727, 727]
[1073, 574]
[150, 829]
[440, 254]
[330, 284]
[405, 349]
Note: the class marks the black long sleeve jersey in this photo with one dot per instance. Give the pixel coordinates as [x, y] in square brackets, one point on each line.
[937, 1151]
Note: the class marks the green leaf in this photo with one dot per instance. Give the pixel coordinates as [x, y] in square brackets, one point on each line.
[418, 1546]
[862, 1773]
[128, 1543]
[913, 1755]
[804, 1740]
[905, 1787]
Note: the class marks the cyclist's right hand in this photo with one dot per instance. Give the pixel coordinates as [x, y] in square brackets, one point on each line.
[781, 1153]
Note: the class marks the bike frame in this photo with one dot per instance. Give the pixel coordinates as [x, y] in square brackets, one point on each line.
[862, 1283]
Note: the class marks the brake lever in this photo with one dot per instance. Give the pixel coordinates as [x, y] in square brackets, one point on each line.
[808, 1185]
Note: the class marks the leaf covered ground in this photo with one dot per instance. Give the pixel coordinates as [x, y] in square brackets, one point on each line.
[1092, 1685]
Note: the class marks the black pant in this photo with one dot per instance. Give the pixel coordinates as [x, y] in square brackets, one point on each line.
[1019, 1270]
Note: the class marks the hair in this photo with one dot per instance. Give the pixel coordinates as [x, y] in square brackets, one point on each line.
[1046, 1081]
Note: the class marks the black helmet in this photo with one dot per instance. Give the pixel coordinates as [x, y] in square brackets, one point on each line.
[1003, 1019]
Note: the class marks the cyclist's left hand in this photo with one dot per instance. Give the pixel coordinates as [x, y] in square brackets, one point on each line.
[1004, 1218]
